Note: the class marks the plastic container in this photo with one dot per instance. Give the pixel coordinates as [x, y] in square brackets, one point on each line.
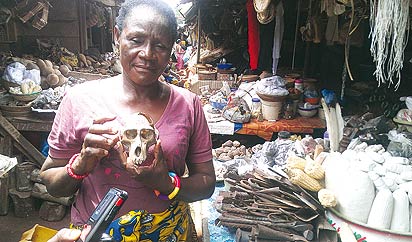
[271, 110]
[326, 141]
[256, 107]
[23, 172]
[299, 84]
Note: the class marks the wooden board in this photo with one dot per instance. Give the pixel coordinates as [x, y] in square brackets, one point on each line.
[22, 143]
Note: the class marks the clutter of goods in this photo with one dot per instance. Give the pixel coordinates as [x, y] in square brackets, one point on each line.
[43, 82]
[261, 202]
[370, 184]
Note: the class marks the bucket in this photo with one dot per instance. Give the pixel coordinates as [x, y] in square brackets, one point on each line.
[23, 172]
[271, 110]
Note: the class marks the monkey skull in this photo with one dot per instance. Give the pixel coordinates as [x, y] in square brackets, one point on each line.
[138, 135]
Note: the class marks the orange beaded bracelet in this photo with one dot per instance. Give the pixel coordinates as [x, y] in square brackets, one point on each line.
[69, 169]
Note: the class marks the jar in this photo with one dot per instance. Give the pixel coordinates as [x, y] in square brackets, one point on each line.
[299, 85]
[289, 110]
[257, 109]
[283, 135]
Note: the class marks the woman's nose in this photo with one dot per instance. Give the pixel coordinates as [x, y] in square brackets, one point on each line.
[146, 51]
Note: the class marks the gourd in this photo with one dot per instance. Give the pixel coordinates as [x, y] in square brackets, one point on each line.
[52, 79]
[64, 70]
[45, 70]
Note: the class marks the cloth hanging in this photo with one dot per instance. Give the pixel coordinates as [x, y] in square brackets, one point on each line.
[253, 35]
[266, 35]
[278, 36]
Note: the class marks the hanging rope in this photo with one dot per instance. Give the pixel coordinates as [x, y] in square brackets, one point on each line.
[389, 21]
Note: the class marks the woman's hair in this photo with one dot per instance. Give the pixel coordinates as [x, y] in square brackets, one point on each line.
[157, 5]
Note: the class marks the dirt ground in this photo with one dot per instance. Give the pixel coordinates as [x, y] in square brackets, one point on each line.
[12, 227]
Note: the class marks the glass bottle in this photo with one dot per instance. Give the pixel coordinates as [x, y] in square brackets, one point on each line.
[289, 110]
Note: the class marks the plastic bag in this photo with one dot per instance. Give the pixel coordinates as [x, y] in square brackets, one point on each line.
[274, 86]
[17, 73]
[400, 144]
[33, 75]
[14, 73]
[237, 110]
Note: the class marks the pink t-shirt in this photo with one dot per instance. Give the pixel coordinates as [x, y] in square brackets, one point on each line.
[182, 129]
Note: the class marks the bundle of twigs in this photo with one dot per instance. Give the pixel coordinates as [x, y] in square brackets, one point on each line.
[389, 21]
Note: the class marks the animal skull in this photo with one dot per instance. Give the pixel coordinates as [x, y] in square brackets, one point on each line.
[138, 135]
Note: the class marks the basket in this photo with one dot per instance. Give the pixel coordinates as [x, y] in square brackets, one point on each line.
[270, 98]
[249, 78]
[12, 108]
[7, 84]
[207, 75]
[25, 97]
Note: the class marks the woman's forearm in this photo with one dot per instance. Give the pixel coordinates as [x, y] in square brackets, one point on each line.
[197, 187]
[59, 183]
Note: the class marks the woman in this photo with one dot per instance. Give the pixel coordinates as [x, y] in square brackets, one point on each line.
[180, 52]
[86, 157]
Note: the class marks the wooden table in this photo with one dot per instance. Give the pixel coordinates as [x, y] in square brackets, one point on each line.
[10, 136]
[266, 129]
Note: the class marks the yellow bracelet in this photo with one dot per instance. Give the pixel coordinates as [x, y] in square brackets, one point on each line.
[174, 193]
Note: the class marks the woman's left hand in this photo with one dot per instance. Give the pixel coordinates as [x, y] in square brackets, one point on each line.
[154, 175]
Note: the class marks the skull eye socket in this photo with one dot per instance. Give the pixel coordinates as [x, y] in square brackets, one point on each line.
[147, 134]
[130, 133]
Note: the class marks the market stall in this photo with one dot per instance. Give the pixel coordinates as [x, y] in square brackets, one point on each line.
[304, 184]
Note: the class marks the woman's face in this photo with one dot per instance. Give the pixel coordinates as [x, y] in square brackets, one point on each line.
[145, 45]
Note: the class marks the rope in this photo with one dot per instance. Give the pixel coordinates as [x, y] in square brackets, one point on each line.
[389, 21]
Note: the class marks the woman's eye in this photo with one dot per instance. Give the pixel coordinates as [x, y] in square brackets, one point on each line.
[137, 40]
[160, 46]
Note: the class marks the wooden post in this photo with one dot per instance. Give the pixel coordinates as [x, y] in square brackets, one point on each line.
[296, 34]
[308, 45]
[82, 25]
[198, 32]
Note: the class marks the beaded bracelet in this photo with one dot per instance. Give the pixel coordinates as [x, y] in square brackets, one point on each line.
[69, 169]
[176, 183]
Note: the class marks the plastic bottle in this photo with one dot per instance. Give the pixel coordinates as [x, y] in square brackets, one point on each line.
[326, 141]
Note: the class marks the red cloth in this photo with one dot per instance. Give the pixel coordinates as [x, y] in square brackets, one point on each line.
[253, 35]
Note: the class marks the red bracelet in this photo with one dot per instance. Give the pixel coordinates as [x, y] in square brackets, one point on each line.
[69, 169]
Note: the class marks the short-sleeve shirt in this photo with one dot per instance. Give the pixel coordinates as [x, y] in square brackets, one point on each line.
[183, 132]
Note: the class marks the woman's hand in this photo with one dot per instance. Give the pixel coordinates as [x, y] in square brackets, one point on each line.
[70, 235]
[154, 175]
[66, 235]
[96, 145]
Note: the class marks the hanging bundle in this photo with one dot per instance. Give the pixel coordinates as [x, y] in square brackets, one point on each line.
[389, 21]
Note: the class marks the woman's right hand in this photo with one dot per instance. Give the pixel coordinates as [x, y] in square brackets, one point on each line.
[96, 145]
